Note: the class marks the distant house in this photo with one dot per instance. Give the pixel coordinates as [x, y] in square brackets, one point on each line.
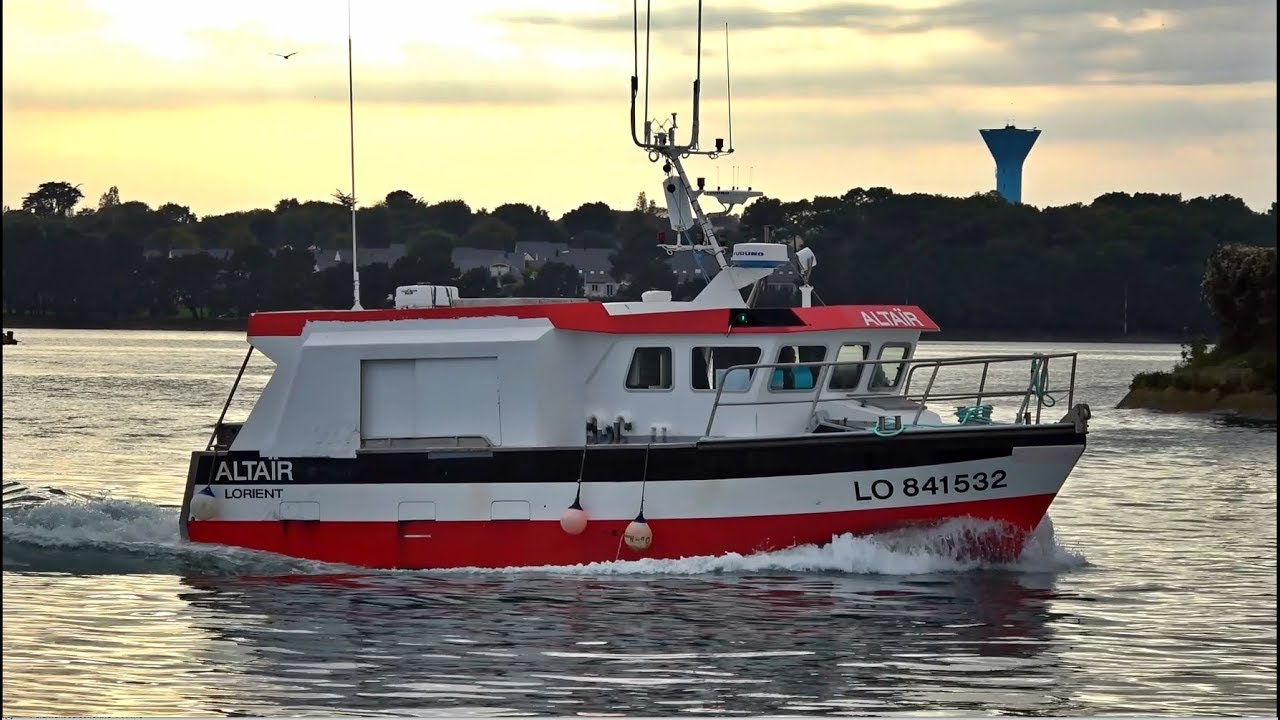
[592, 264]
[388, 255]
[498, 262]
[326, 259]
[216, 253]
[595, 268]
[537, 251]
[688, 266]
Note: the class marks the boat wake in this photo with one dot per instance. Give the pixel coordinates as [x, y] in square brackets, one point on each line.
[923, 551]
[49, 530]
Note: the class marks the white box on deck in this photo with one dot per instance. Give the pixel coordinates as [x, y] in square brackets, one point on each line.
[420, 296]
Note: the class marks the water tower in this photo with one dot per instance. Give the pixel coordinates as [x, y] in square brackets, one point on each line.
[1009, 146]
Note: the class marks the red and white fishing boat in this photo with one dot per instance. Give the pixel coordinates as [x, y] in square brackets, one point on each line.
[479, 432]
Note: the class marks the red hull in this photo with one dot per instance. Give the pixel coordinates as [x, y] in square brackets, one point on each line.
[494, 544]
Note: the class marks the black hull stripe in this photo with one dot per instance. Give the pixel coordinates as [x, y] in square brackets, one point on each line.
[708, 460]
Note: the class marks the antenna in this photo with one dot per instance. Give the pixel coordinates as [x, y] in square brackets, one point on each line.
[659, 140]
[648, 6]
[728, 91]
[351, 114]
[697, 84]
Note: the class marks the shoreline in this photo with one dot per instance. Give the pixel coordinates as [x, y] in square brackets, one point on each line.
[1254, 405]
[240, 324]
[216, 324]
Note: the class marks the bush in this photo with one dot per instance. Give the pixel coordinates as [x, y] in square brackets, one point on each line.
[1239, 286]
[1151, 381]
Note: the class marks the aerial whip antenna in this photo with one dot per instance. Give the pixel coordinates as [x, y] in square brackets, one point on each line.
[635, 70]
[728, 90]
[682, 194]
[697, 84]
[648, 9]
[351, 115]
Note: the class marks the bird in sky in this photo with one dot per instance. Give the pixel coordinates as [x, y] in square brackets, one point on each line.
[286, 57]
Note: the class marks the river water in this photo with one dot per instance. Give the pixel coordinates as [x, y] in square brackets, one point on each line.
[1155, 595]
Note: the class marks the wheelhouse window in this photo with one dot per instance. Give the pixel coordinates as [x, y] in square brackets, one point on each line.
[888, 375]
[847, 377]
[650, 369]
[711, 367]
[797, 378]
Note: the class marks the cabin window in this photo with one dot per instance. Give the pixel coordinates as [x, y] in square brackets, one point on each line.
[887, 375]
[650, 369]
[846, 377]
[798, 378]
[711, 366]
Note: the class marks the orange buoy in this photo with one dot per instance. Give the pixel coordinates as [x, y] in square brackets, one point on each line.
[638, 535]
[574, 520]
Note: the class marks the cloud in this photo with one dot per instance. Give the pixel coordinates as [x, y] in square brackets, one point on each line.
[393, 92]
[1140, 122]
[843, 71]
[1184, 42]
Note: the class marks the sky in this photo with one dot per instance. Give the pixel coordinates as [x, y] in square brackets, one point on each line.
[495, 101]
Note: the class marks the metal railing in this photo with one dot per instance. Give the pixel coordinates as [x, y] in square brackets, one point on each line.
[1037, 390]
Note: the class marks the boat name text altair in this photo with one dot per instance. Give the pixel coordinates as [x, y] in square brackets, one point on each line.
[255, 471]
[894, 317]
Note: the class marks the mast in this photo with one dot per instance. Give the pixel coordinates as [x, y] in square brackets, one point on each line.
[659, 139]
[351, 116]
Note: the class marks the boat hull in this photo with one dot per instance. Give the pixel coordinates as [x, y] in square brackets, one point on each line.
[502, 507]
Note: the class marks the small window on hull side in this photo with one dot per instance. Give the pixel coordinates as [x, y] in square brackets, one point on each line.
[887, 376]
[650, 369]
[846, 377]
[798, 378]
[710, 364]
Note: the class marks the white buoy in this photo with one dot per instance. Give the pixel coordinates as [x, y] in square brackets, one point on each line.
[638, 535]
[574, 519]
[204, 506]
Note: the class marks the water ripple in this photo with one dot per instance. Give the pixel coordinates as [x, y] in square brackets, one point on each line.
[1153, 592]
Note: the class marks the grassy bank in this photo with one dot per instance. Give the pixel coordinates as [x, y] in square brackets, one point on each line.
[1210, 381]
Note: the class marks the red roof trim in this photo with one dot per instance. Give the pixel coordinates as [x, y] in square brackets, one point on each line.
[588, 316]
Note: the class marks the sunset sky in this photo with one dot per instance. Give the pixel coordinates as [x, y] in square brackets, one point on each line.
[495, 101]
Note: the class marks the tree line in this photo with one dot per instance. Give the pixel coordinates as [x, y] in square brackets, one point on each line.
[974, 264]
[1239, 287]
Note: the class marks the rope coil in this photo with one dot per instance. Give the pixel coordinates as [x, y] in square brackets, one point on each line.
[976, 414]
[1040, 382]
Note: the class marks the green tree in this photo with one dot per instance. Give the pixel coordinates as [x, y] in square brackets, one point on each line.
[529, 223]
[53, 199]
[452, 216]
[552, 279]
[477, 282]
[1240, 286]
[402, 201]
[173, 237]
[376, 226]
[196, 279]
[289, 279]
[434, 246]
[110, 198]
[490, 233]
[593, 216]
[175, 214]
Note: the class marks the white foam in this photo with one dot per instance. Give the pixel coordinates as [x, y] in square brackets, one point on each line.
[907, 552]
[60, 521]
[137, 536]
[70, 522]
